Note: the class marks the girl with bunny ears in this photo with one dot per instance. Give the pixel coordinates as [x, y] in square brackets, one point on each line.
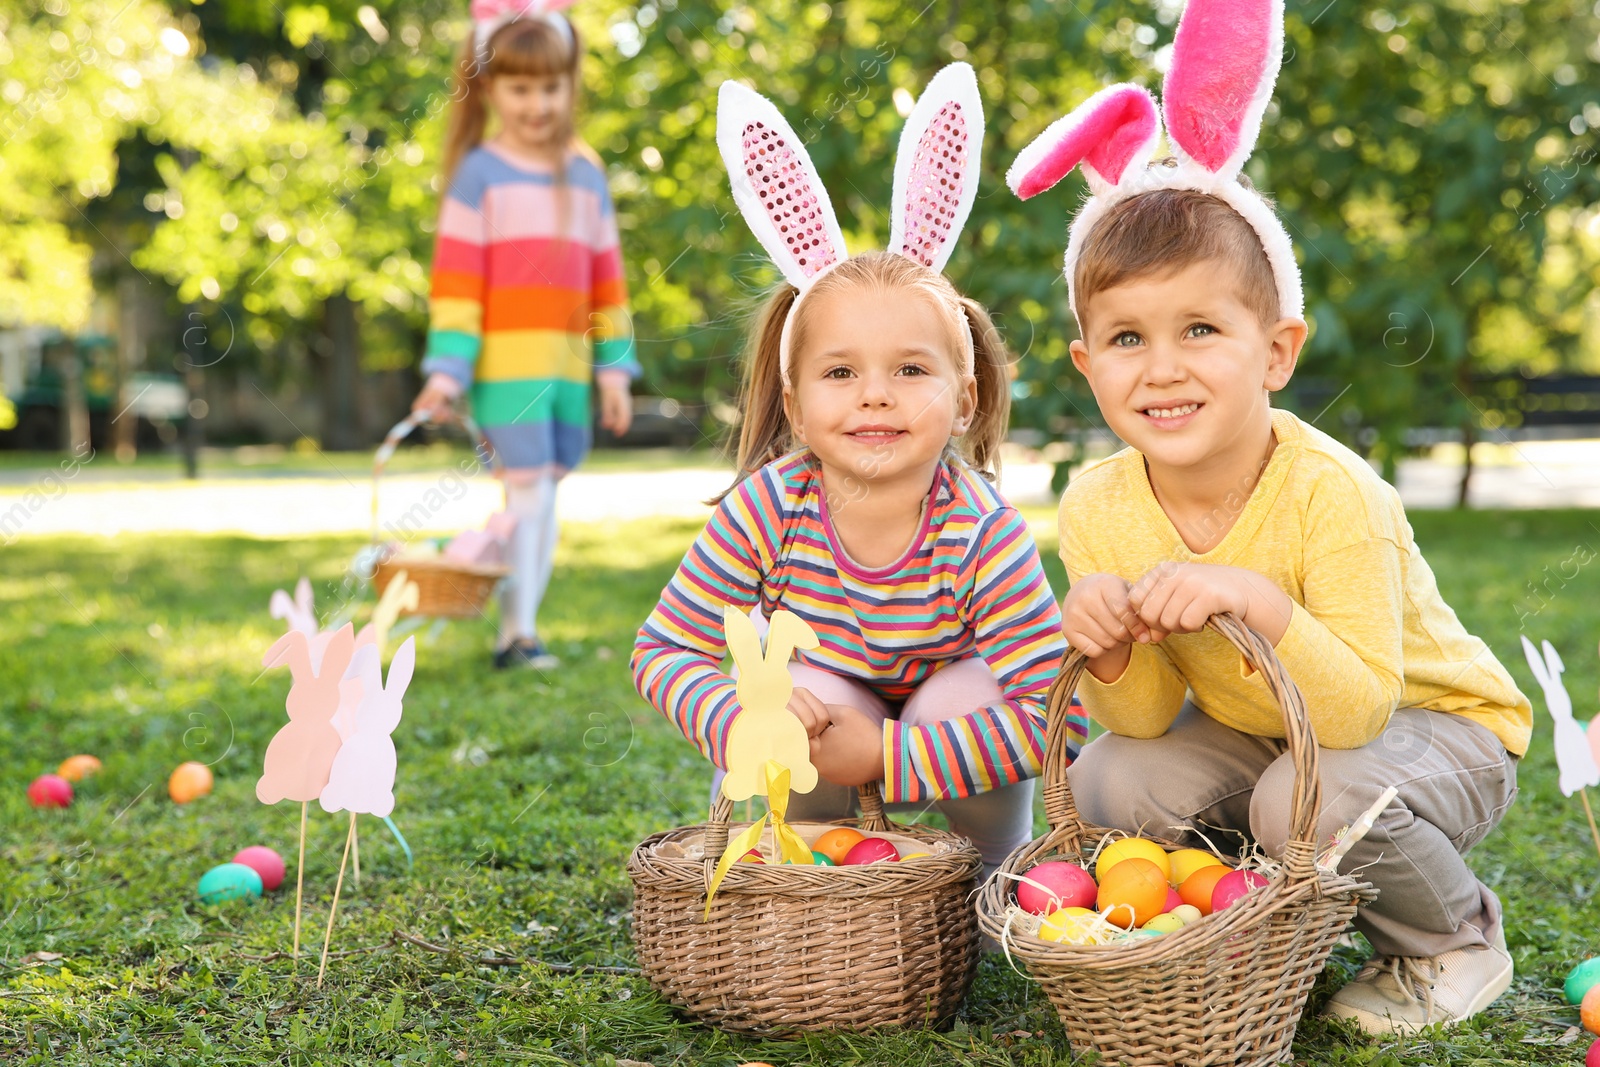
[874, 396]
[529, 306]
[1189, 303]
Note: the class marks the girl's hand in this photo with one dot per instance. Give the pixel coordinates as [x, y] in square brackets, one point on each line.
[616, 403]
[438, 395]
[812, 713]
[1180, 597]
[850, 752]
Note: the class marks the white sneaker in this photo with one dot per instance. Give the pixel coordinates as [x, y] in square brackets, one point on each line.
[1405, 994]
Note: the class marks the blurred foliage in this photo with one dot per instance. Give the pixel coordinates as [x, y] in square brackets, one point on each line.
[1435, 162]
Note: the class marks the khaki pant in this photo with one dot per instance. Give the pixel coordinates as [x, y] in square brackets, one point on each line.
[1455, 780]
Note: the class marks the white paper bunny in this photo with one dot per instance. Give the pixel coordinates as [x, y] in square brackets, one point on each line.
[362, 778]
[298, 613]
[1572, 747]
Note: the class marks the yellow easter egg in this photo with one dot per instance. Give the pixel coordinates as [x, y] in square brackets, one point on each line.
[914, 856]
[1163, 924]
[1186, 861]
[1129, 848]
[1071, 926]
[1186, 914]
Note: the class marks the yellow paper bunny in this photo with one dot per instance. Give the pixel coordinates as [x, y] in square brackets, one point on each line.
[765, 729]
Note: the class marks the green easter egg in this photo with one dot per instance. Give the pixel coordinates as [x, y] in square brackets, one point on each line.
[230, 881]
[821, 860]
[1583, 976]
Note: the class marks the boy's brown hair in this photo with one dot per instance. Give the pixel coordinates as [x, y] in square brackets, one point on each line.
[1166, 230]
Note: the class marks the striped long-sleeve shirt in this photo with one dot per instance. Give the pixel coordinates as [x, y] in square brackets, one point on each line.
[528, 300]
[970, 584]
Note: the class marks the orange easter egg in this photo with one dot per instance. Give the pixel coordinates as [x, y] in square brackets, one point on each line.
[836, 844]
[77, 768]
[190, 781]
[1589, 1010]
[1132, 893]
[1196, 889]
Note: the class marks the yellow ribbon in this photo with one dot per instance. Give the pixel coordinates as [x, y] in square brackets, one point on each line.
[791, 847]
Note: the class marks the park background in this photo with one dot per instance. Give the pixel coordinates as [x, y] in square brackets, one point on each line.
[215, 229]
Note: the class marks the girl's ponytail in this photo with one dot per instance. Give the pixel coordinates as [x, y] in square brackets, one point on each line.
[764, 432]
[992, 367]
[469, 116]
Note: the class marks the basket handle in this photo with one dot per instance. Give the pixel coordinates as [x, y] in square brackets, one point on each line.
[872, 818]
[402, 429]
[1067, 828]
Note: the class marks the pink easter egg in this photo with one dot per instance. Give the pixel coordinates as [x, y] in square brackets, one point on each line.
[50, 791]
[1173, 901]
[265, 862]
[1593, 1058]
[1233, 885]
[871, 850]
[1064, 885]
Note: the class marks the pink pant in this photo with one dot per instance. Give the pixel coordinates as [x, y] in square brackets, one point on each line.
[996, 822]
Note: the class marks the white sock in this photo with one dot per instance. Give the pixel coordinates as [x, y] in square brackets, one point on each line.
[533, 548]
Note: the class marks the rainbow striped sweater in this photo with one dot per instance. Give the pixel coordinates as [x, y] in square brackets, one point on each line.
[528, 300]
[970, 584]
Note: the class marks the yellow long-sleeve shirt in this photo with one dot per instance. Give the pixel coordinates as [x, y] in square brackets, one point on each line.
[1370, 631]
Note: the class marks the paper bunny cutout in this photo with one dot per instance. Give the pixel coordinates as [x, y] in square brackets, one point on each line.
[362, 777]
[1225, 59]
[1594, 736]
[298, 613]
[1577, 763]
[777, 190]
[400, 595]
[301, 754]
[765, 729]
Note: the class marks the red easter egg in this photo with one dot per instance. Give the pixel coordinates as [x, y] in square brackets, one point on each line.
[265, 862]
[1060, 885]
[871, 850]
[50, 791]
[1233, 885]
[1173, 901]
[1593, 1058]
[753, 856]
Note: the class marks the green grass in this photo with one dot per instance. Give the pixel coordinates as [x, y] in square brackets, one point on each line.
[522, 798]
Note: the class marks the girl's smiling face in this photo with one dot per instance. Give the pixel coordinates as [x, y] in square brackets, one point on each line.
[876, 390]
[535, 110]
[1182, 368]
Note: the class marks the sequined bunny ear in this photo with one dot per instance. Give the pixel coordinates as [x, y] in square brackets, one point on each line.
[776, 186]
[1111, 135]
[936, 168]
[1225, 59]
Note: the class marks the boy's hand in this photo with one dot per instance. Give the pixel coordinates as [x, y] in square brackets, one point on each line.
[1180, 597]
[812, 713]
[850, 752]
[1096, 617]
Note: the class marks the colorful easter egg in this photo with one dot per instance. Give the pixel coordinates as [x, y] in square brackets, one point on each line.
[190, 781]
[1186, 861]
[835, 844]
[1164, 923]
[1072, 926]
[1053, 885]
[821, 859]
[1234, 885]
[229, 881]
[50, 791]
[265, 862]
[1132, 848]
[1581, 979]
[871, 850]
[1132, 893]
[1197, 888]
[77, 768]
[1589, 1010]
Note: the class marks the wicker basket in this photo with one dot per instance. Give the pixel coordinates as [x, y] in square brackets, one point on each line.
[446, 588]
[1228, 989]
[791, 948]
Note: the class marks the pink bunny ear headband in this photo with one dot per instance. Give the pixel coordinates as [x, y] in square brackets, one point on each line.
[777, 189]
[488, 16]
[1224, 62]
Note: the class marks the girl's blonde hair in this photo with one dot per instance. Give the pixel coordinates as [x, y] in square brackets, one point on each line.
[765, 434]
[532, 47]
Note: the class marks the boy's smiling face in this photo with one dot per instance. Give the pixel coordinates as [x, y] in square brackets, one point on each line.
[1181, 367]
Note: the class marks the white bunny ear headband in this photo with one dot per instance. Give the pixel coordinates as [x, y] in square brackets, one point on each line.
[1225, 60]
[777, 189]
[488, 16]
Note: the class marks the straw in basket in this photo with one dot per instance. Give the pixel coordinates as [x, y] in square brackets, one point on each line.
[789, 948]
[1227, 990]
[446, 588]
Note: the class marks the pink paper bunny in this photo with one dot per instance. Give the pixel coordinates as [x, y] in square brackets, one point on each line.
[362, 779]
[298, 613]
[301, 754]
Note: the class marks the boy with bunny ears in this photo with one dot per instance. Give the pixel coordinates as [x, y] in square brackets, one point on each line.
[1188, 299]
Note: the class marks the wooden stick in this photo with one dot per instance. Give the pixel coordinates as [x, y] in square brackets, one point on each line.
[300, 879]
[1587, 810]
[355, 855]
[338, 885]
